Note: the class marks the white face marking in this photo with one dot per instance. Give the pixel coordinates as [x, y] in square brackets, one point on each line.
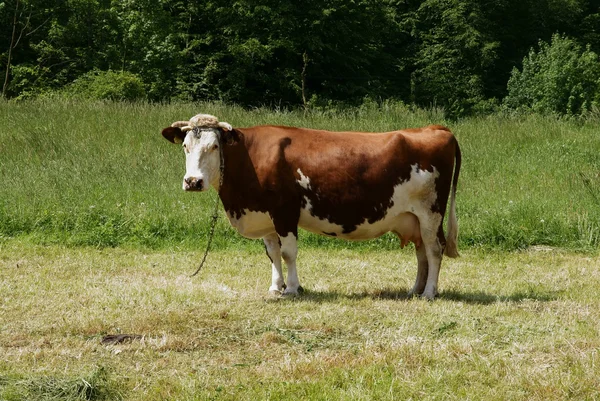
[415, 195]
[202, 158]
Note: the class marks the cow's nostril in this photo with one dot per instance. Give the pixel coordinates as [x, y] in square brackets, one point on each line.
[193, 184]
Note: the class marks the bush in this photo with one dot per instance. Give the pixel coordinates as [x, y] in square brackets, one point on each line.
[559, 78]
[108, 85]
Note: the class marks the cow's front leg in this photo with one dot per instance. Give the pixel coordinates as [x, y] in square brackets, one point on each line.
[289, 251]
[273, 248]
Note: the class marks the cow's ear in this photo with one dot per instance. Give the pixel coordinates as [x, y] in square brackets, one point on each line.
[230, 136]
[174, 134]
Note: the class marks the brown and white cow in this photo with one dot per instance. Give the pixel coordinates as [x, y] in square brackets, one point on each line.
[350, 185]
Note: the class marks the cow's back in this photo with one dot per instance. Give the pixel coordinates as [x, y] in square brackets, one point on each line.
[318, 148]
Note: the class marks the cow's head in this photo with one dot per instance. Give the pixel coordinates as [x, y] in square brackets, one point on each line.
[201, 139]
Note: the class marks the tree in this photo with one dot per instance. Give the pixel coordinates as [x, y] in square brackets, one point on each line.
[454, 54]
[27, 17]
[62, 40]
[560, 77]
[457, 54]
[147, 43]
[252, 52]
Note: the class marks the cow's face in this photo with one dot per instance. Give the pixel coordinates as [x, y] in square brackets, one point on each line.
[202, 156]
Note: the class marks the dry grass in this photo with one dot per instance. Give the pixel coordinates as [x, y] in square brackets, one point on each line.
[506, 326]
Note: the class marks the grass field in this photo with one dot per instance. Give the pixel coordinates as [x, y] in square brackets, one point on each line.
[100, 174]
[97, 238]
[507, 326]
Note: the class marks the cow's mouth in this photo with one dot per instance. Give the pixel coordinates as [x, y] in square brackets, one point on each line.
[193, 184]
[189, 189]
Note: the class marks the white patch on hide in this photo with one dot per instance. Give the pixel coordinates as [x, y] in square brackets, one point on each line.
[252, 224]
[416, 195]
[308, 205]
[304, 181]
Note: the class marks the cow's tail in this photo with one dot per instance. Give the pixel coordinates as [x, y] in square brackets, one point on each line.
[451, 249]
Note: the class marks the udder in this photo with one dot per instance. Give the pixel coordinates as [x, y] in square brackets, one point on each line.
[408, 229]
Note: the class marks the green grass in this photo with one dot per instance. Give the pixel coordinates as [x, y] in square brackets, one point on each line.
[100, 174]
[96, 238]
[506, 326]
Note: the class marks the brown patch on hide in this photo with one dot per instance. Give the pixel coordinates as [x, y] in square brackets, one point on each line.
[352, 174]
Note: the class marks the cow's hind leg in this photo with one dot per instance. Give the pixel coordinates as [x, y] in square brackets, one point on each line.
[422, 270]
[289, 251]
[432, 235]
[273, 248]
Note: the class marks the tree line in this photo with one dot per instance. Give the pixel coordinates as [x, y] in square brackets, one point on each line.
[465, 56]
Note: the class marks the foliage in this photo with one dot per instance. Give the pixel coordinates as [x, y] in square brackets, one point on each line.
[108, 85]
[252, 53]
[560, 77]
[453, 54]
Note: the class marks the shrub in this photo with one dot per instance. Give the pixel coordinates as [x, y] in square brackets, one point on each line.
[560, 77]
[109, 85]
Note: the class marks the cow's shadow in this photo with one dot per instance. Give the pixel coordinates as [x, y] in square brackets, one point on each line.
[401, 294]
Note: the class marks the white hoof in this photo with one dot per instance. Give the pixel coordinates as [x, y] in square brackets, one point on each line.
[293, 292]
[275, 289]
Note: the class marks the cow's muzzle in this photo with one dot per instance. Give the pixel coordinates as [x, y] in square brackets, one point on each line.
[193, 184]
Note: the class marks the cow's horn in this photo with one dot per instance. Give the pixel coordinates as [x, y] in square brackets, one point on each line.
[202, 121]
[225, 126]
[180, 124]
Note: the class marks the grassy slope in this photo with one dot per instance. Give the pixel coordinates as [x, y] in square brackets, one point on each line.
[100, 174]
[507, 326]
[523, 182]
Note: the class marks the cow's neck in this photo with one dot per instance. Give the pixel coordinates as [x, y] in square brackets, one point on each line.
[240, 189]
[232, 153]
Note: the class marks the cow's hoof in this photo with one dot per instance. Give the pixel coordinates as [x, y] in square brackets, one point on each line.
[276, 290]
[429, 295]
[293, 293]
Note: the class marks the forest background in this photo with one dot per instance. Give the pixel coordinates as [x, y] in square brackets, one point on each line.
[463, 56]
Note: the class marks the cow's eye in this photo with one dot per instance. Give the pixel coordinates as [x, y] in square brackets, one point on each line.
[215, 147]
[184, 147]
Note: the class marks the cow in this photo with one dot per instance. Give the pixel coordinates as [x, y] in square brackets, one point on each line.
[350, 185]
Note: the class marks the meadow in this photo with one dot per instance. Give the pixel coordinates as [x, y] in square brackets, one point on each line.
[100, 174]
[97, 238]
[506, 326]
